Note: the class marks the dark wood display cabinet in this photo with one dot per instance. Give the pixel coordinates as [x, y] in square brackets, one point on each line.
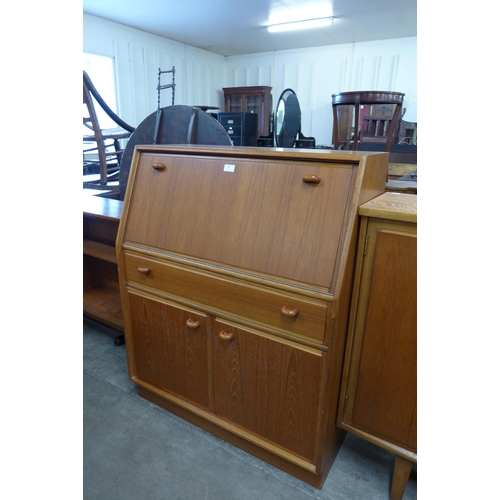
[236, 268]
[256, 100]
[379, 387]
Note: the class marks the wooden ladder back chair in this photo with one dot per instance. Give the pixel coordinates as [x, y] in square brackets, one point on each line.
[105, 142]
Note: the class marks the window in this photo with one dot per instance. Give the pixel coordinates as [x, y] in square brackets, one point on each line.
[101, 71]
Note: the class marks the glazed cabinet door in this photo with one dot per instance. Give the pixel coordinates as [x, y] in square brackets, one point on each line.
[234, 104]
[267, 385]
[381, 393]
[170, 347]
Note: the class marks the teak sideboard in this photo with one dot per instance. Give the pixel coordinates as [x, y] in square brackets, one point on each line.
[379, 385]
[236, 268]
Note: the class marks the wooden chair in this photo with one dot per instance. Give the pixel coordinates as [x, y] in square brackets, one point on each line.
[374, 128]
[376, 124]
[104, 142]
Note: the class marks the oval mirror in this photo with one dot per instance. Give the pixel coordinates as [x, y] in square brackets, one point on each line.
[287, 123]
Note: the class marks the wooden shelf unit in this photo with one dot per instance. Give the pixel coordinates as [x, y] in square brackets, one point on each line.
[101, 291]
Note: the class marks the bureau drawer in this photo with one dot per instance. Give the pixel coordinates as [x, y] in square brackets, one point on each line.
[278, 309]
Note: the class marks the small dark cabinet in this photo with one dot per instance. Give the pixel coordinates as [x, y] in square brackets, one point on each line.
[256, 100]
[241, 127]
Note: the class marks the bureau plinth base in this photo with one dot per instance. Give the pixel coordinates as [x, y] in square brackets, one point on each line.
[308, 476]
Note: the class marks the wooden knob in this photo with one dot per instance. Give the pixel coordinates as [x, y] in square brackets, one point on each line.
[289, 312]
[311, 179]
[192, 323]
[144, 270]
[226, 335]
[159, 166]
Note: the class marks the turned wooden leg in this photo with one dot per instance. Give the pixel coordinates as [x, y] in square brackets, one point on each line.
[402, 469]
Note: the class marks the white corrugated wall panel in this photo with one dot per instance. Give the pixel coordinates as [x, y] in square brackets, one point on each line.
[199, 75]
[317, 73]
[313, 73]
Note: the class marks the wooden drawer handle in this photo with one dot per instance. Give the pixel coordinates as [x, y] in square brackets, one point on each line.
[225, 335]
[311, 179]
[159, 166]
[144, 270]
[289, 312]
[192, 323]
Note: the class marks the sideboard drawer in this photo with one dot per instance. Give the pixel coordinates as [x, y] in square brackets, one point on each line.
[288, 311]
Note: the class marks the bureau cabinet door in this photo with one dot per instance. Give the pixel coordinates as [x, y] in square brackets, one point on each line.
[267, 386]
[382, 383]
[170, 348]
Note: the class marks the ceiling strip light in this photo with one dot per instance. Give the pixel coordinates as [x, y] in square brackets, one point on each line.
[298, 25]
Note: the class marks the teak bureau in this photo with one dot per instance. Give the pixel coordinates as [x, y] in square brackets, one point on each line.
[236, 269]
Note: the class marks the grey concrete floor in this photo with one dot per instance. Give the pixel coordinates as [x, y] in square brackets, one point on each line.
[134, 450]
